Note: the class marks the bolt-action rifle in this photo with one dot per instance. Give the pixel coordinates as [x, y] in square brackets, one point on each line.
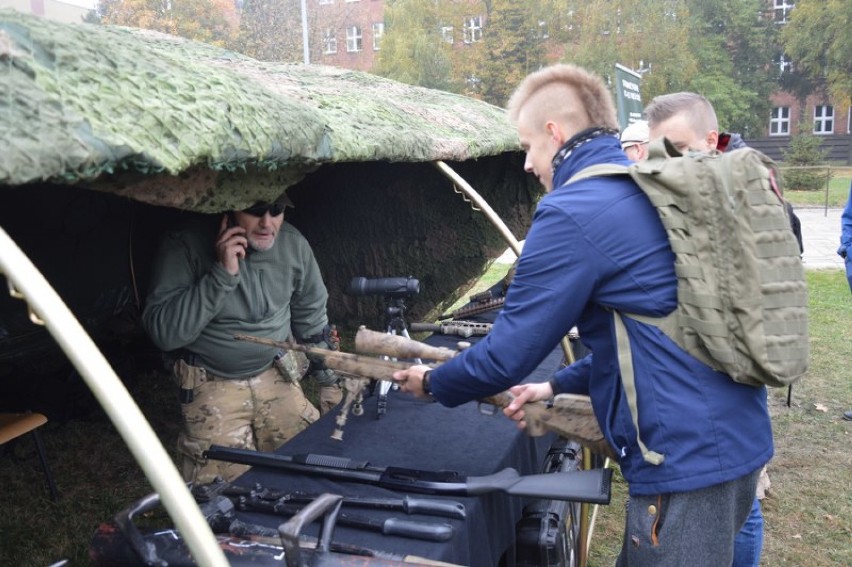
[460, 328]
[123, 544]
[568, 415]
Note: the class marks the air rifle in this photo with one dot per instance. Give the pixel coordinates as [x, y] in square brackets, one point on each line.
[123, 544]
[461, 328]
[579, 486]
[277, 503]
[477, 308]
[569, 416]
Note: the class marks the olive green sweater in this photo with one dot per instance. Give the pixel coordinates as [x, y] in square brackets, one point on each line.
[196, 305]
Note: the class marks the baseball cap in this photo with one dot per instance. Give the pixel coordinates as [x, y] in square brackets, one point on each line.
[284, 201]
[635, 133]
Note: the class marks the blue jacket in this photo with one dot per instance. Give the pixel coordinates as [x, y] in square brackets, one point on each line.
[846, 227]
[593, 246]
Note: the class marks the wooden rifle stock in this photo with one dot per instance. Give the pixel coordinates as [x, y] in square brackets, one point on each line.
[570, 416]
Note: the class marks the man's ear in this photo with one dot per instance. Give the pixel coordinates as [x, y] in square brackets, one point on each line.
[555, 132]
[712, 139]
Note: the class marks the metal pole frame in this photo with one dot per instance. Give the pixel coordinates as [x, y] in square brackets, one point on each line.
[482, 205]
[47, 308]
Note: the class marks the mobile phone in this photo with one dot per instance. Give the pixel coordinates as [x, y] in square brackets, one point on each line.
[232, 219]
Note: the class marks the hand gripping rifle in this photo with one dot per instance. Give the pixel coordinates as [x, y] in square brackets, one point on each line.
[569, 416]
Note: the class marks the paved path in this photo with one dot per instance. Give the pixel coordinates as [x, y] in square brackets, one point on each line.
[820, 238]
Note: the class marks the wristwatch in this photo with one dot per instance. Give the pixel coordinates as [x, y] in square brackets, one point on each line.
[426, 389]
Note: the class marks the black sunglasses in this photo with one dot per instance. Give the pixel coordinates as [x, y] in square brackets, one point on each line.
[260, 209]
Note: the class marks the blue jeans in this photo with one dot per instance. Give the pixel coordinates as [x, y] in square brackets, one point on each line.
[849, 270]
[749, 540]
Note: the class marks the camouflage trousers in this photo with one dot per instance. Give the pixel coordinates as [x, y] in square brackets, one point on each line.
[260, 413]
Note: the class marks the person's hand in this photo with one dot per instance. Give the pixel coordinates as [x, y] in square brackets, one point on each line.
[525, 393]
[231, 246]
[411, 380]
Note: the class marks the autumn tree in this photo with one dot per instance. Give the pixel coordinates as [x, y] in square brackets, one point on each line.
[415, 49]
[734, 45]
[208, 21]
[818, 40]
[271, 30]
[513, 44]
[649, 36]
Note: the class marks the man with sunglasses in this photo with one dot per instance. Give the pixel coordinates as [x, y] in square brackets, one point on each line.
[254, 274]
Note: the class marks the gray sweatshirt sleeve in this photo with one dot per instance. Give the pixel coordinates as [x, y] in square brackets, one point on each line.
[186, 293]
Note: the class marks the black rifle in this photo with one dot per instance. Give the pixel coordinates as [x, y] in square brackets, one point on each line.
[281, 504]
[123, 545]
[581, 486]
[407, 504]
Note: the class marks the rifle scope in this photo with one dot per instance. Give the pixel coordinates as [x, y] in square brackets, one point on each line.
[389, 287]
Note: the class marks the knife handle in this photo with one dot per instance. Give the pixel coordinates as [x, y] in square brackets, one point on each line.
[418, 530]
[446, 508]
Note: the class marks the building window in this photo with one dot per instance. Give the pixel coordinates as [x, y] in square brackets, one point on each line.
[782, 10]
[472, 29]
[785, 64]
[447, 34]
[823, 119]
[326, 1]
[353, 39]
[353, 0]
[779, 123]
[378, 32]
[329, 41]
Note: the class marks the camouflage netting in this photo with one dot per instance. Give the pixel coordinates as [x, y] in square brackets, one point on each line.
[172, 122]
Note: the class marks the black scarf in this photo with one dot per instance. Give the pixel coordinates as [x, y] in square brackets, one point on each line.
[578, 140]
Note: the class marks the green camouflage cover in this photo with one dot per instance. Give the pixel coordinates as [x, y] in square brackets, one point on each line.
[173, 122]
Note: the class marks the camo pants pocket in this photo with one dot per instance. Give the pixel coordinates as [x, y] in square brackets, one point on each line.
[282, 411]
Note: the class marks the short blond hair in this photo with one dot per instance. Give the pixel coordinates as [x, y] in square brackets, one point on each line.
[568, 93]
[697, 109]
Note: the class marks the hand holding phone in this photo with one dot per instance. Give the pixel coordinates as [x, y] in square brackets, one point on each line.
[231, 244]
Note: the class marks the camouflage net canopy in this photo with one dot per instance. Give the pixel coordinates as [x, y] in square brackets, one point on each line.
[173, 122]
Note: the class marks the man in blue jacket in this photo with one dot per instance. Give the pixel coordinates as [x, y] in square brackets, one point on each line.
[595, 246]
[843, 251]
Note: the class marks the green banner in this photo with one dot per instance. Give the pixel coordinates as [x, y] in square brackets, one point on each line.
[628, 99]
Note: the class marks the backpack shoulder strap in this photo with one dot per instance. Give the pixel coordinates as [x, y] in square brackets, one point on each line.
[598, 170]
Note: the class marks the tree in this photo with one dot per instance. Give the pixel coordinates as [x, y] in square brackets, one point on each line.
[414, 51]
[734, 46]
[271, 30]
[513, 44]
[208, 21]
[650, 36]
[818, 40]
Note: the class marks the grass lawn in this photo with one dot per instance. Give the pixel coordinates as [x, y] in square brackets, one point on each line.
[837, 195]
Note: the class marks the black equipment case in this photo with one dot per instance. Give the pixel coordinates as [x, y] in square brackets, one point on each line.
[547, 533]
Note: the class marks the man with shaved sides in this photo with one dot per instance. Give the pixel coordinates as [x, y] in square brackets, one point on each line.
[692, 452]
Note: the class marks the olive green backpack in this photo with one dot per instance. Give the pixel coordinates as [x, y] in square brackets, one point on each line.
[742, 296]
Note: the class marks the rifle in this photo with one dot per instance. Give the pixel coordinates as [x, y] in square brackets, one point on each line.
[580, 486]
[569, 416]
[407, 504]
[123, 544]
[278, 503]
[476, 308]
[461, 328]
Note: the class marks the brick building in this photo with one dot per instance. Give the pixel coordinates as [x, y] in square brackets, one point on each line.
[66, 12]
[817, 114]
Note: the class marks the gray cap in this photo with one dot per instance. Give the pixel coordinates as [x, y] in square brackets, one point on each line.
[635, 133]
[283, 199]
